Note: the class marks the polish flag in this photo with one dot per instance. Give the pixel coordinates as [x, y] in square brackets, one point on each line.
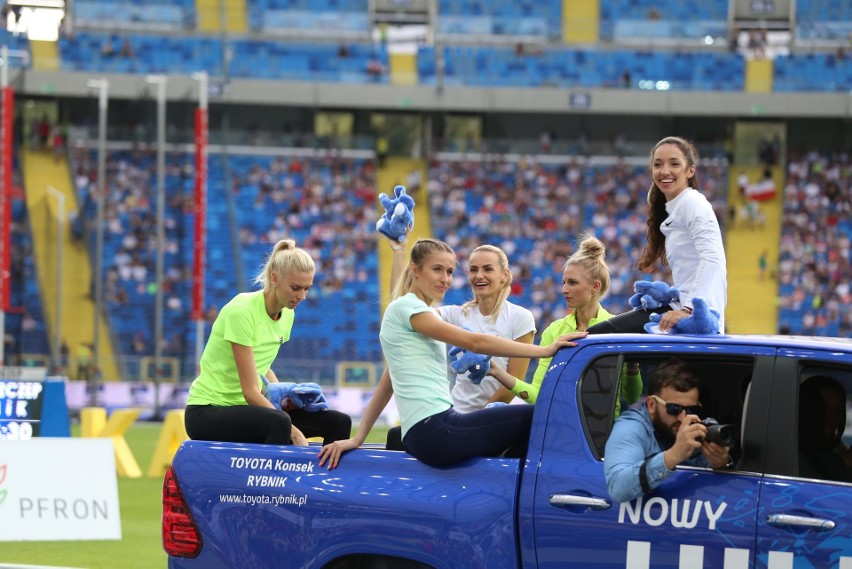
[761, 191]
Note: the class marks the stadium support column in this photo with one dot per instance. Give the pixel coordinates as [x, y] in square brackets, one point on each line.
[199, 242]
[6, 122]
[160, 82]
[102, 85]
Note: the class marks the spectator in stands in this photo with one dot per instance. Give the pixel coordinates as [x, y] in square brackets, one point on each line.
[43, 133]
[127, 49]
[225, 401]
[545, 140]
[57, 142]
[110, 45]
[85, 365]
[763, 263]
[413, 339]
[375, 69]
[382, 149]
[140, 346]
[9, 349]
[682, 231]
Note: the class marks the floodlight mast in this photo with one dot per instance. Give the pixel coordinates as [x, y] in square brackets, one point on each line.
[102, 85]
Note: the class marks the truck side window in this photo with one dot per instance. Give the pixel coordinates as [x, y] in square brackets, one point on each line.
[723, 384]
[824, 430]
[598, 388]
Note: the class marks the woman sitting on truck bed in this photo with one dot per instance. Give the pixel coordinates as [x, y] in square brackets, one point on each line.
[414, 339]
[226, 402]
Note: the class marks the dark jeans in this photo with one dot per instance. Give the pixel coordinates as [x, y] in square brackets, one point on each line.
[450, 437]
[252, 424]
[394, 441]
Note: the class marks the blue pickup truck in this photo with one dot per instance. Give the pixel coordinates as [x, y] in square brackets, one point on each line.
[242, 505]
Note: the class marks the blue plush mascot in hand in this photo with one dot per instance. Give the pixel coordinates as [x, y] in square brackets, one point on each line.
[398, 216]
[475, 365]
[703, 320]
[652, 295]
[289, 396]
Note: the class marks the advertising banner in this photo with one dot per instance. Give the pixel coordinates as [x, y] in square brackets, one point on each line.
[54, 489]
[140, 395]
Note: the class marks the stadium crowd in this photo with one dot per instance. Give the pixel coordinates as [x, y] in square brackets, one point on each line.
[814, 261]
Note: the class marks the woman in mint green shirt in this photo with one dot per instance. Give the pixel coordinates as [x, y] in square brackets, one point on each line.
[414, 338]
[226, 402]
[585, 281]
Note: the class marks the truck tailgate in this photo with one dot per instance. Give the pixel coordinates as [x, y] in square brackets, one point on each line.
[269, 506]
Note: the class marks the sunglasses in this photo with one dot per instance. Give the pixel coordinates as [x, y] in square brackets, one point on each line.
[675, 409]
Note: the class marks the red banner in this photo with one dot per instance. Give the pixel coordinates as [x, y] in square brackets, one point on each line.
[7, 104]
[199, 242]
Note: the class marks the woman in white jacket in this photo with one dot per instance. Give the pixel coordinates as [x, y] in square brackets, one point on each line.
[683, 232]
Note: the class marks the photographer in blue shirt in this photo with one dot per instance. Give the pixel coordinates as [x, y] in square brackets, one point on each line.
[646, 444]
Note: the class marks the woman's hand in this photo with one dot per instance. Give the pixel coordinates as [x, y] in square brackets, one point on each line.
[563, 342]
[494, 368]
[297, 438]
[333, 451]
[670, 318]
[398, 246]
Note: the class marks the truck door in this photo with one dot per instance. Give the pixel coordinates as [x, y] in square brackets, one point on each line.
[806, 501]
[696, 518]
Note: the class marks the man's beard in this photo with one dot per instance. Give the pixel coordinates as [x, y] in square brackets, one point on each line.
[664, 433]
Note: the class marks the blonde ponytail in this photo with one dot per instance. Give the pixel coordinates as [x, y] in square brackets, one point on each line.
[590, 256]
[285, 259]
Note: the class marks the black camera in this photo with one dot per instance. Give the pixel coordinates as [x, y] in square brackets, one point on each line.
[725, 435]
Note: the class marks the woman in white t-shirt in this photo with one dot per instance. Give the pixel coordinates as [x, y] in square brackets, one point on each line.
[489, 312]
[414, 339]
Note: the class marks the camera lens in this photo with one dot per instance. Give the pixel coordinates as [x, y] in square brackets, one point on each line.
[724, 435]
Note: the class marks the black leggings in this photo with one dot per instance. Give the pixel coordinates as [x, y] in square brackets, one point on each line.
[450, 437]
[253, 424]
[632, 322]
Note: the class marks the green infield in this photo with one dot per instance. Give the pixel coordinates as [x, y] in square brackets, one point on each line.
[140, 546]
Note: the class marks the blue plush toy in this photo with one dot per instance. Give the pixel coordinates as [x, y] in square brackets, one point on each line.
[398, 216]
[475, 365]
[652, 295]
[703, 320]
[288, 396]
